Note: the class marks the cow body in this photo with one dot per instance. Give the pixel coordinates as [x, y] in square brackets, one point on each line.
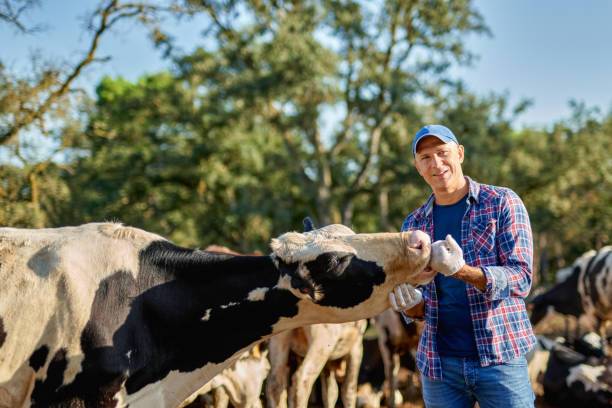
[105, 315]
[586, 293]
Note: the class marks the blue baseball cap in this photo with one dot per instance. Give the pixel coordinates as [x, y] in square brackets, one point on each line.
[441, 132]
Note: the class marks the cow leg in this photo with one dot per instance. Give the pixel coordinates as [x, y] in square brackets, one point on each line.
[394, 381]
[329, 388]
[278, 377]
[385, 354]
[306, 374]
[349, 386]
[221, 398]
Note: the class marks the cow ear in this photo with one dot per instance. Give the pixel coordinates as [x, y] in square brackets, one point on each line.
[340, 262]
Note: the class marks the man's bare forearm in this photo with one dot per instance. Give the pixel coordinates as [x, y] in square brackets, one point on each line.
[472, 275]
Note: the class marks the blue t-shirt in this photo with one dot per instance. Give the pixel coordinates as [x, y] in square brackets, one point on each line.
[455, 334]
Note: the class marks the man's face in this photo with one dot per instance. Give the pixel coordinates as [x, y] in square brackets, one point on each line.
[440, 163]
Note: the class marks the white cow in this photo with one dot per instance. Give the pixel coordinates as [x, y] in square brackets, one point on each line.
[108, 315]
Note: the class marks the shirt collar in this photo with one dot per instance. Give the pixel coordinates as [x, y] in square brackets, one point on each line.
[473, 195]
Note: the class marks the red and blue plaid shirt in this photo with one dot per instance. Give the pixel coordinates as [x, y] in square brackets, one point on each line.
[496, 237]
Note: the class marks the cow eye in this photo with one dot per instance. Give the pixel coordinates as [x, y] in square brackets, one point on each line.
[336, 261]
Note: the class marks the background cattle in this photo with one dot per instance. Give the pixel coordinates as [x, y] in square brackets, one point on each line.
[241, 383]
[395, 338]
[322, 348]
[572, 374]
[586, 293]
[107, 315]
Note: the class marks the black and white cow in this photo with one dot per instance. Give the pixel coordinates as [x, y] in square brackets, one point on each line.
[572, 378]
[104, 315]
[586, 292]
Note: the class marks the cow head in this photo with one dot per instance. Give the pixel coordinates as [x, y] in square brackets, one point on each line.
[325, 264]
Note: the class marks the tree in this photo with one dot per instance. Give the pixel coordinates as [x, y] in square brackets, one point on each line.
[156, 162]
[42, 103]
[361, 67]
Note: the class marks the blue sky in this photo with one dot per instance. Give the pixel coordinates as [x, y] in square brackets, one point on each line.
[549, 51]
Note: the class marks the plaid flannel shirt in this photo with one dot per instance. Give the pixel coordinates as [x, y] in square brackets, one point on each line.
[496, 237]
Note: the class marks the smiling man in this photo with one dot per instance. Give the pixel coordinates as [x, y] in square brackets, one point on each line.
[477, 331]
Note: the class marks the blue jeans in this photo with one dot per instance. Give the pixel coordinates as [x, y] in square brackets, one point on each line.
[464, 382]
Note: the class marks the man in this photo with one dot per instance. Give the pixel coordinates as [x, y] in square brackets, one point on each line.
[477, 331]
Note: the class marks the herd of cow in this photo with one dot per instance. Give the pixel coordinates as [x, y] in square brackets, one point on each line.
[104, 315]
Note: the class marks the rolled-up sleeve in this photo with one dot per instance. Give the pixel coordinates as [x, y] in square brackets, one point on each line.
[512, 278]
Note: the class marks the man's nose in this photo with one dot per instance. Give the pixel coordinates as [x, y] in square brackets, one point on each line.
[436, 161]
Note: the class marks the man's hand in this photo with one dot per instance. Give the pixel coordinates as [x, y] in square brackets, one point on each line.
[446, 256]
[404, 297]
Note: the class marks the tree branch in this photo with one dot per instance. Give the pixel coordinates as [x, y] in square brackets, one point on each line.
[11, 16]
[108, 17]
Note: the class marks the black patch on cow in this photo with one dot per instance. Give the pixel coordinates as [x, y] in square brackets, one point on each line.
[39, 357]
[347, 280]
[2, 332]
[563, 297]
[44, 391]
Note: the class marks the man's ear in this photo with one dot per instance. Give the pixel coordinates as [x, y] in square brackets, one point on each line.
[460, 151]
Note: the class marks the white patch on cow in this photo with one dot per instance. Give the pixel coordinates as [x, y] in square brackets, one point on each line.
[206, 316]
[587, 375]
[283, 283]
[303, 271]
[563, 274]
[230, 304]
[295, 246]
[129, 354]
[257, 294]
[593, 339]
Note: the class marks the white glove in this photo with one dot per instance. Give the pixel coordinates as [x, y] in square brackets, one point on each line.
[446, 256]
[405, 296]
